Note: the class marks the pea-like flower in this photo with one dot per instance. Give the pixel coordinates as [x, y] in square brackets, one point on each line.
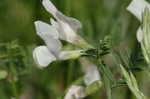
[62, 28]
[43, 56]
[66, 26]
[137, 7]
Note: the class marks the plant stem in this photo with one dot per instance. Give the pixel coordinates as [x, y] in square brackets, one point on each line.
[13, 81]
[70, 72]
[92, 88]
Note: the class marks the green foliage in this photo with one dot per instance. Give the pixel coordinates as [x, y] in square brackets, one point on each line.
[132, 84]
[20, 77]
[146, 35]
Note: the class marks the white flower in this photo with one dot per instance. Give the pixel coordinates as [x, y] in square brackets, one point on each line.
[137, 7]
[91, 72]
[44, 55]
[75, 92]
[50, 36]
[91, 75]
[66, 26]
[63, 28]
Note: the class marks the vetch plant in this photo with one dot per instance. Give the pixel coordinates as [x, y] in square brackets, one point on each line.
[52, 34]
[14, 65]
[64, 28]
[115, 67]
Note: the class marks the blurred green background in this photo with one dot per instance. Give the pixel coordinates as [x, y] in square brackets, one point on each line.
[99, 18]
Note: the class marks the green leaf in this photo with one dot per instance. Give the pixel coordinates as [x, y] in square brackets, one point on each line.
[132, 84]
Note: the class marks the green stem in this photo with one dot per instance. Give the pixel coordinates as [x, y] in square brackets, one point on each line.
[14, 88]
[70, 72]
[13, 82]
[92, 88]
[83, 44]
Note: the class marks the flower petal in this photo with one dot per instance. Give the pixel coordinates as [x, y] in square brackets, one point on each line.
[137, 7]
[54, 46]
[66, 26]
[91, 75]
[139, 35]
[75, 92]
[42, 56]
[50, 35]
[69, 34]
[49, 6]
[73, 23]
[65, 31]
[91, 71]
[45, 30]
[60, 30]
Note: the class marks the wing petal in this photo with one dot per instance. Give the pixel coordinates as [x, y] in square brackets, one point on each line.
[50, 7]
[91, 71]
[42, 56]
[54, 45]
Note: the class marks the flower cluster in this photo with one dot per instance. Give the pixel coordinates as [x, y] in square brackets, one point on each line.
[63, 28]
